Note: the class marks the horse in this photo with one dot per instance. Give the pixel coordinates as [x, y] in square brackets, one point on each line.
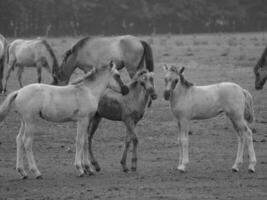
[3, 53]
[260, 71]
[30, 53]
[190, 102]
[128, 109]
[127, 51]
[75, 102]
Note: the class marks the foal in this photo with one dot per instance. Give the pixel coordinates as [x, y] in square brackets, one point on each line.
[129, 109]
[189, 102]
[77, 102]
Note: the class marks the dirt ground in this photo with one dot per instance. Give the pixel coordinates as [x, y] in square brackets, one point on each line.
[213, 145]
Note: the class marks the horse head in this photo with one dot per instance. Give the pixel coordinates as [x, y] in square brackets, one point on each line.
[260, 71]
[146, 80]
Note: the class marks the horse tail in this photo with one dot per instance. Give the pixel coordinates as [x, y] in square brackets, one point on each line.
[249, 110]
[148, 56]
[5, 106]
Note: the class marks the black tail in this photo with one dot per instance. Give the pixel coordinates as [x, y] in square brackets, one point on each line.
[148, 56]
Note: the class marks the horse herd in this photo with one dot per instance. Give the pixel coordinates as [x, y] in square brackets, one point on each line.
[101, 93]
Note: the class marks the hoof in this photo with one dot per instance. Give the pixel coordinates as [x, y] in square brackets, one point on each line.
[89, 172]
[181, 169]
[81, 174]
[39, 177]
[251, 170]
[125, 170]
[133, 169]
[235, 170]
[24, 177]
[98, 169]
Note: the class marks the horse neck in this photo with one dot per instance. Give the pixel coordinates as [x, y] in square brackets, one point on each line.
[180, 91]
[139, 93]
[99, 83]
[66, 69]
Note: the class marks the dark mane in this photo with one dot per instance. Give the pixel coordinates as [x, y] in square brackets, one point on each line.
[87, 76]
[52, 54]
[75, 48]
[261, 61]
[187, 84]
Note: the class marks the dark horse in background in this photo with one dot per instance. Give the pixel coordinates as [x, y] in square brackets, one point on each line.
[260, 71]
[3, 55]
[126, 51]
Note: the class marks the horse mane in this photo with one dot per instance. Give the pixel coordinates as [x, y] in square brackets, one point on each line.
[261, 60]
[187, 84]
[52, 54]
[75, 48]
[88, 75]
[184, 82]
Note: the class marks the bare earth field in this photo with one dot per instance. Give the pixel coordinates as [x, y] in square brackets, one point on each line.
[213, 145]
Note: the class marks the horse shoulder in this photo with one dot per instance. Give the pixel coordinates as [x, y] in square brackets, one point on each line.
[110, 106]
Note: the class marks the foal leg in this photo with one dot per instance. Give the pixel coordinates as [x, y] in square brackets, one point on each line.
[130, 125]
[245, 136]
[91, 131]
[19, 74]
[125, 152]
[20, 152]
[184, 140]
[28, 140]
[88, 168]
[82, 126]
[251, 152]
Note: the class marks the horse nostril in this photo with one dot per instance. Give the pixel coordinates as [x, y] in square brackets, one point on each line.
[124, 90]
[167, 95]
[154, 96]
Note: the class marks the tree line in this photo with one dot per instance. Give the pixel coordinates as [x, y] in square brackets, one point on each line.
[109, 17]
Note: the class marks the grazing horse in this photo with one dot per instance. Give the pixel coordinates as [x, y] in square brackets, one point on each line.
[30, 53]
[3, 53]
[260, 71]
[129, 109]
[76, 102]
[190, 102]
[126, 50]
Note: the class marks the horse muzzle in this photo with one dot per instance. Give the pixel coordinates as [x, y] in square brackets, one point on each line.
[152, 93]
[167, 94]
[124, 90]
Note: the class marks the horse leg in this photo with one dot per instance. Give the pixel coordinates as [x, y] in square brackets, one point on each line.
[87, 166]
[19, 74]
[28, 140]
[10, 68]
[184, 140]
[91, 131]
[125, 151]
[82, 126]
[245, 136]
[240, 147]
[39, 73]
[20, 152]
[130, 125]
[180, 149]
[251, 152]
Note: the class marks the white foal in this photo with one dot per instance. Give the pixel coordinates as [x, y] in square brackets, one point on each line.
[189, 102]
[76, 102]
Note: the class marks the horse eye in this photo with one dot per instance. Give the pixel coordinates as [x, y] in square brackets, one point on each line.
[176, 81]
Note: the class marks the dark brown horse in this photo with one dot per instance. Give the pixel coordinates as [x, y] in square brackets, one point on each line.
[128, 109]
[3, 55]
[260, 71]
[127, 51]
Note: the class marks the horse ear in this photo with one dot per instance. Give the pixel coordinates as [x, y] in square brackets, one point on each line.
[165, 67]
[111, 64]
[181, 70]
